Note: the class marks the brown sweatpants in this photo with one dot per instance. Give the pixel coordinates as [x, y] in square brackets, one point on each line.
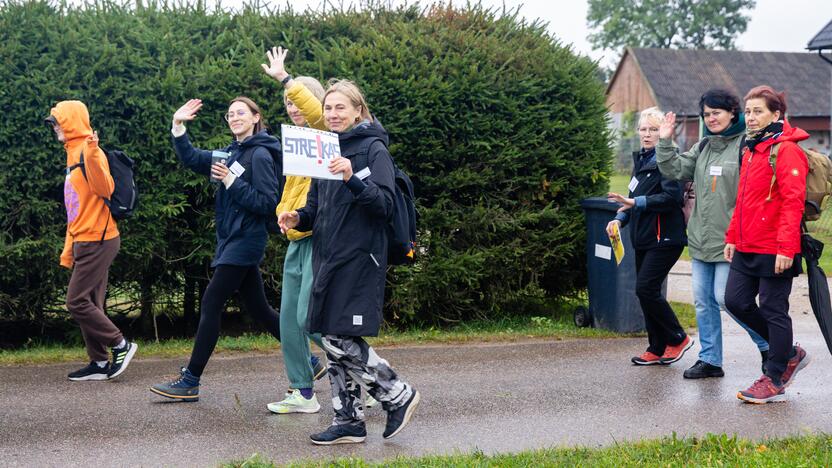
[86, 294]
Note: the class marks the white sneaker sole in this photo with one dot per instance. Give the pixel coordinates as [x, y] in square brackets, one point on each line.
[132, 352]
[407, 414]
[91, 377]
[341, 440]
[277, 408]
[759, 401]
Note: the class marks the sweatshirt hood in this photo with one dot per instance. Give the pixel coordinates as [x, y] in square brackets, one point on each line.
[74, 119]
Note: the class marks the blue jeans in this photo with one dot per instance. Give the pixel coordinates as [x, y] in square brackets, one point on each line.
[709, 280]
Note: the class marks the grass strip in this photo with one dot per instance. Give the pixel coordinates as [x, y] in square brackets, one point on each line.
[505, 330]
[710, 450]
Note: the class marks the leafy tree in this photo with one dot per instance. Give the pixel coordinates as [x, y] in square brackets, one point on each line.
[682, 24]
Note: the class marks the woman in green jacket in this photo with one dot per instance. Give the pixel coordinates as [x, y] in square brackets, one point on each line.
[713, 166]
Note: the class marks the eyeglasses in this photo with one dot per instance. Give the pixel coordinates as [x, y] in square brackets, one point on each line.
[239, 113]
[648, 130]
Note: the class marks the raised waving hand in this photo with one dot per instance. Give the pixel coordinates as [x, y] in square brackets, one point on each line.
[276, 67]
[187, 112]
[666, 128]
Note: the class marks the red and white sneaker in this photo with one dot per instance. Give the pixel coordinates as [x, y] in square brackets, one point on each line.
[646, 359]
[674, 353]
[796, 364]
[763, 391]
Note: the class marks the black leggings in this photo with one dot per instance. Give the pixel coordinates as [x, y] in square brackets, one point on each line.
[227, 280]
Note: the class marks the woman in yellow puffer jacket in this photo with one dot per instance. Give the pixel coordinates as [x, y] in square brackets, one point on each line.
[302, 96]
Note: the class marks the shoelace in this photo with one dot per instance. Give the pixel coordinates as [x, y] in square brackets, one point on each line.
[762, 383]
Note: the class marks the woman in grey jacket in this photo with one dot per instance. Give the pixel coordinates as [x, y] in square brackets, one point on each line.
[713, 166]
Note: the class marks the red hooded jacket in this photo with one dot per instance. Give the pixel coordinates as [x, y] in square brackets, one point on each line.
[767, 216]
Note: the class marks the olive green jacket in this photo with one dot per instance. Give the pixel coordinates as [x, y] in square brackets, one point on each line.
[715, 174]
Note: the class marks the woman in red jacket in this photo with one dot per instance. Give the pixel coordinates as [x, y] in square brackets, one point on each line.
[763, 238]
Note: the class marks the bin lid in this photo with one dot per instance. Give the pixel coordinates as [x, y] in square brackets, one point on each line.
[599, 203]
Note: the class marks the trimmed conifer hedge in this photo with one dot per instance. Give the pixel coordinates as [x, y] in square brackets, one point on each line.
[501, 128]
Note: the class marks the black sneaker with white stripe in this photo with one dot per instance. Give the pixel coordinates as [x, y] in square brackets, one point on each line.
[121, 359]
[91, 372]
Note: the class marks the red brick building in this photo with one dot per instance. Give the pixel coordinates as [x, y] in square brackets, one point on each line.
[673, 80]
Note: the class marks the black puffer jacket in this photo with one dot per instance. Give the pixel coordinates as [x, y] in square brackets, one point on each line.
[657, 219]
[349, 247]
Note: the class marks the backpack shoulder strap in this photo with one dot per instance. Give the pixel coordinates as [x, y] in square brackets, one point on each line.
[703, 144]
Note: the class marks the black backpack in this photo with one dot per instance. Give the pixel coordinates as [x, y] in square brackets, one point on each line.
[401, 227]
[125, 197]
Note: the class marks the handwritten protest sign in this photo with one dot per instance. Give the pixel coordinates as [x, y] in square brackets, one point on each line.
[307, 152]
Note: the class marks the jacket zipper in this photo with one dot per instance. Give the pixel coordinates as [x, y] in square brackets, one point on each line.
[744, 186]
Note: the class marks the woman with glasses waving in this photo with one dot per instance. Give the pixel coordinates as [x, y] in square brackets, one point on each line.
[654, 211]
[249, 180]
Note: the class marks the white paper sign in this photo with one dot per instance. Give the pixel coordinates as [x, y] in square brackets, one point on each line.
[716, 170]
[603, 251]
[307, 152]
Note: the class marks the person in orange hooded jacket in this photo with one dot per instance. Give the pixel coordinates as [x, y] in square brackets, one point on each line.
[763, 238]
[92, 242]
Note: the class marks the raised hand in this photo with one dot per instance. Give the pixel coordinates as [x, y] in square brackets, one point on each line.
[187, 112]
[666, 128]
[92, 140]
[276, 67]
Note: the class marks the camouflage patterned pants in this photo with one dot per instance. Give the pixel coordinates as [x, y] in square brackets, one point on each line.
[353, 364]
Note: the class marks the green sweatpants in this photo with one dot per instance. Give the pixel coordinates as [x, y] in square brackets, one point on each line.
[294, 307]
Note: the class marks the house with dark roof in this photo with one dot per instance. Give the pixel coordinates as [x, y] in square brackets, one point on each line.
[822, 40]
[673, 80]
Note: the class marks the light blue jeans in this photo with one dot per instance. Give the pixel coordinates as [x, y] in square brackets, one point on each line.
[709, 279]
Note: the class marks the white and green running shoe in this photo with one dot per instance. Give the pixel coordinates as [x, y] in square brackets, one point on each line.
[295, 403]
[370, 402]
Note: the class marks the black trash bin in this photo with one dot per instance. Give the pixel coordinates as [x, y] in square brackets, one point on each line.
[613, 304]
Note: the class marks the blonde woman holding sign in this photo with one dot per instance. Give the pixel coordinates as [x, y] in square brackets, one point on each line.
[349, 261]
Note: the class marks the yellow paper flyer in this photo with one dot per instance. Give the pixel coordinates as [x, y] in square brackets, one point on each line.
[617, 246]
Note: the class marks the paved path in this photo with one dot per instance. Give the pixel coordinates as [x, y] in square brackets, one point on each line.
[495, 398]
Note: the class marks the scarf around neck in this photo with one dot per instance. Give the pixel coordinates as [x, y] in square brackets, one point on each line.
[772, 130]
[734, 129]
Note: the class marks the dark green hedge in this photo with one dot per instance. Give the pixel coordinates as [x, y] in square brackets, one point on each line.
[501, 128]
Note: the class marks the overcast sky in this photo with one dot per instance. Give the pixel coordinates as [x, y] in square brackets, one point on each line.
[776, 25]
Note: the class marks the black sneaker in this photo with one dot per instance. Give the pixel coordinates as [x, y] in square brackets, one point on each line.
[91, 372]
[398, 418]
[318, 369]
[340, 434]
[702, 370]
[121, 359]
[179, 389]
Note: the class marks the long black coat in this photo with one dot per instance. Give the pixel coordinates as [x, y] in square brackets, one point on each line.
[243, 209]
[349, 247]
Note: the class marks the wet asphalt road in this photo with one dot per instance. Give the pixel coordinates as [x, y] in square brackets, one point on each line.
[494, 398]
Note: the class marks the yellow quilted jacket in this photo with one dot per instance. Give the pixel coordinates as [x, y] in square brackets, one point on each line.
[296, 188]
